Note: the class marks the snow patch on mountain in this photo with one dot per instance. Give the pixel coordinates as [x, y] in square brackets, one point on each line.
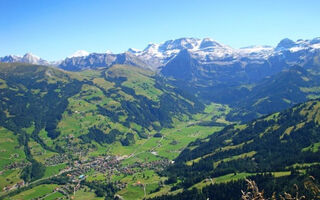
[316, 46]
[79, 53]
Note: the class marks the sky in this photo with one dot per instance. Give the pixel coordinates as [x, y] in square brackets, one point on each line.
[54, 29]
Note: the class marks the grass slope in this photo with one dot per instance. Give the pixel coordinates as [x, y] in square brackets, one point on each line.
[270, 144]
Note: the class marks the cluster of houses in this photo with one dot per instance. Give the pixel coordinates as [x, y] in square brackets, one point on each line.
[157, 165]
[17, 165]
[110, 165]
[56, 159]
[66, 189]
[99, 164]
[107, 165]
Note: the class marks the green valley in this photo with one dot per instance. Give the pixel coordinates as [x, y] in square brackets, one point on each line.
[130, 133]
[117, 127]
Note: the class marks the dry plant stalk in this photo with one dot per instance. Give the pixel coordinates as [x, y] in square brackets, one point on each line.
[253, 192]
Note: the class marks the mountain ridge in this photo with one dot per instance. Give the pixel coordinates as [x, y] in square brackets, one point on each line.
[205, 50]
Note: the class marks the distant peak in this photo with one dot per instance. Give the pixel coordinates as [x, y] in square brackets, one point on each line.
[79, 53]
[286, 43]
[315, 40]
[208, 42]
[151, 47]
[30, 55]
[109, 52]
[208, 39]
[133, 50]
[181, 43]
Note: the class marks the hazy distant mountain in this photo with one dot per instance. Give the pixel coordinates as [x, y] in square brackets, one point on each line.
[27, 58]
[96, 60]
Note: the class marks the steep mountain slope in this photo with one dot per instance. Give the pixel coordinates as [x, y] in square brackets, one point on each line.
[50, 111]
[276, 93]
[126, 100]
[268, 144]
[34, 95]
[33, 99]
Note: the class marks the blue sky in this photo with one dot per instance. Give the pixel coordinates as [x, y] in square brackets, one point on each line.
[54, 29]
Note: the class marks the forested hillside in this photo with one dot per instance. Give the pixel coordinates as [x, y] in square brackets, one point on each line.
[46, 111]
[274, 144]
[276, 93]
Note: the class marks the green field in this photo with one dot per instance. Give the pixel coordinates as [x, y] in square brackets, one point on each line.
[36, 192]
[38, 152]
[233, 177]
[222, 179]
[10, 150]
[84, 194]
[169, 146]
[9, 178]
[53, 170]
[54, 196]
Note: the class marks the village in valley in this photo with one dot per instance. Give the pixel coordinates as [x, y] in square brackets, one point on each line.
[109, 167]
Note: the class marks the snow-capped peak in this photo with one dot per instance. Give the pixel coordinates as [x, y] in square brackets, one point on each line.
[133, 50]
[151, 46]
[27, 58]
[31, 58]
[208, 42]
[179, 44]
[30, 55]
[299, 45]
[79, 53]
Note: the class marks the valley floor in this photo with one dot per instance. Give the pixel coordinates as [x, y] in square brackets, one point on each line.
[132, 169]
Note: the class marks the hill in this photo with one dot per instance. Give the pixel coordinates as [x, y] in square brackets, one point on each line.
[276, 93]
[46, 112]
[275, 144]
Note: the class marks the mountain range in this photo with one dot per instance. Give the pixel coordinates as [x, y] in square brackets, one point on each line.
[215, 72]
[27, 58]
[204, 61]
[206, 51]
